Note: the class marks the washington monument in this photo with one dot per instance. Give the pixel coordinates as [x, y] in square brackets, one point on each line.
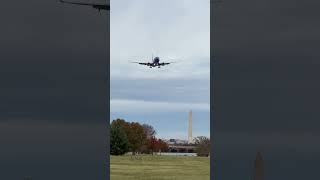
[190, 128]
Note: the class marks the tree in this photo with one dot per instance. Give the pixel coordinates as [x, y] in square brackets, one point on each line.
[202, 145]
[153, 144]
[149, 130]
[136, 136]
[118, 140]
[156, 145]
[162, 145]
[123, 124]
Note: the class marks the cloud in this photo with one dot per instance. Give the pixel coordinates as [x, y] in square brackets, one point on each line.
[175, 31]
[170, 90]
[180, 32]
[182, 68]
[138, 106]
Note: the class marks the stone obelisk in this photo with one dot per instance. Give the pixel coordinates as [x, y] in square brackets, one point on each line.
[258, 173]
[190, 128]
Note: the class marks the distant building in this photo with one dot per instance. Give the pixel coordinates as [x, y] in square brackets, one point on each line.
[176, 141]
[180, 141]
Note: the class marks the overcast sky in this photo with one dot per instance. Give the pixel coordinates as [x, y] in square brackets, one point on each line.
[175, 31]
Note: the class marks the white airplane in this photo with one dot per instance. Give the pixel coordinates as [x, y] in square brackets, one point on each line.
[155, 62]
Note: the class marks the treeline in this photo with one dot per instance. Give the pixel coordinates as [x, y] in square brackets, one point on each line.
[134, 137]
[203, 145]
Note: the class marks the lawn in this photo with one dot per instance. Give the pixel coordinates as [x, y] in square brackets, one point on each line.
[159, 168]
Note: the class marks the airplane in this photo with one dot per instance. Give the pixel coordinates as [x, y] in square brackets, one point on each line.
[96, 6]
[154, 63]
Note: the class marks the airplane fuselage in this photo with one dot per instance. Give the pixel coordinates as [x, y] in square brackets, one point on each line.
[155, 62]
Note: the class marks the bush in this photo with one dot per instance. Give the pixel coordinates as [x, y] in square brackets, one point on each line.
[203, 146]
[118, 140]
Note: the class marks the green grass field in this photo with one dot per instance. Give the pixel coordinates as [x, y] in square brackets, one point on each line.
[159, 168]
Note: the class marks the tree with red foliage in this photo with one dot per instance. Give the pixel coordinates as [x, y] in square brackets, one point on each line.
[136, 137]
[156, 145]
[153, 144]
[135, 134]
[162, 146]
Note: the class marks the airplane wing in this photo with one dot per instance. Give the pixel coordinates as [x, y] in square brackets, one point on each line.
[147, 64]
[97, 6]
[163, 64]
[166, 63]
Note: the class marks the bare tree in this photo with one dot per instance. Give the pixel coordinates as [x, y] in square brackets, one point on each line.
[149, 130]
[203, 145]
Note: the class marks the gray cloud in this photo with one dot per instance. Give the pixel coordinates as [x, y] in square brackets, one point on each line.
[140, 106]
[171, 90]
[175, 31]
